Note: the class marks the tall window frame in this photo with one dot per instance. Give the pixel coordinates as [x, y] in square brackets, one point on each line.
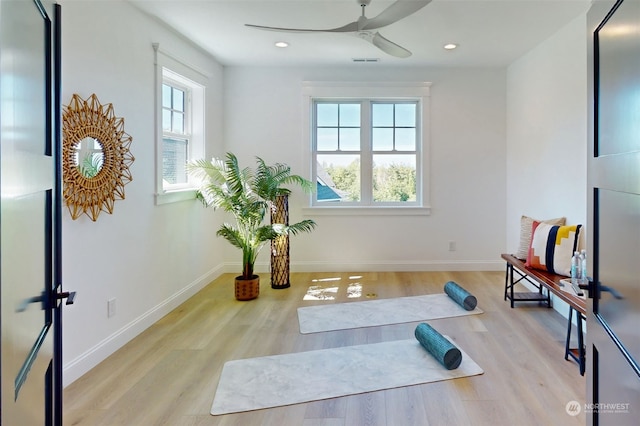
[186, 140]
[366, 95]
[177, 121]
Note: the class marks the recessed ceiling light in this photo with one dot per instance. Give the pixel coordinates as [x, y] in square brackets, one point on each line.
[450, 46]
[282, 44]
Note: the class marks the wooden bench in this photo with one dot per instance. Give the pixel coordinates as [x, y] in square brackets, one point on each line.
[547, 284]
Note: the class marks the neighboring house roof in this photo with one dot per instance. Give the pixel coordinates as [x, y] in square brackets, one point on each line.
[326, 193]
[324, 176]
[326, 189]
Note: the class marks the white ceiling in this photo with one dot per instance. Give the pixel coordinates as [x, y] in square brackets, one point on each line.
[489, 32]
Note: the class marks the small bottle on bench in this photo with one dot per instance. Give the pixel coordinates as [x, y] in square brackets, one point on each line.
[576, 269]
[583, 282]
[576, 273]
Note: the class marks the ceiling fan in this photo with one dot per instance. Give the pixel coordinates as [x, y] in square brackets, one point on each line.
[364, 27]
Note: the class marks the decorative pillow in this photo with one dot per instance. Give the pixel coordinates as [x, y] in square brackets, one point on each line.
[552, 247]
[526, 223]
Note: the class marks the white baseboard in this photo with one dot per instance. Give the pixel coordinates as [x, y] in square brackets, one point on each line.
[399, 266]
[382, 266]
[74, 369]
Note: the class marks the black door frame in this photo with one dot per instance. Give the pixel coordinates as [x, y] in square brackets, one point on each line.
[603, 343]
[57, 214]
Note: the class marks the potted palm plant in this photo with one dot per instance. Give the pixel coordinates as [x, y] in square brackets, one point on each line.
[224, 185]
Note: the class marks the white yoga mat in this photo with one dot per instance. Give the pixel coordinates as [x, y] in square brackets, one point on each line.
[372, 313]
[273, 381]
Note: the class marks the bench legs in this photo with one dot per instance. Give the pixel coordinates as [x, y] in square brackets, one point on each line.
[506, 283]
[512, 277]
[577, 354]
[510, 281]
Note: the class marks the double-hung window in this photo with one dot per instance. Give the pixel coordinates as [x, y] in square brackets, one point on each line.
[181, 126]
[369, 151]
[176, 133]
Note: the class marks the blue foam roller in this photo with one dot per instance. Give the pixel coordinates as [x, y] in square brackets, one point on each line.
[437, 345]
[461, 296]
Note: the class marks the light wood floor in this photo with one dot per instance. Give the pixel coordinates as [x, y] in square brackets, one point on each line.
[168, 375]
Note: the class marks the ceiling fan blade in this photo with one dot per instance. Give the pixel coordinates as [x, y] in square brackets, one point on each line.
[398, 10]
[389, 47]
[353, 26]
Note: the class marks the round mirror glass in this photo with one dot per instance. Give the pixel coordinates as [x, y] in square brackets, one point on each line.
[89, 157]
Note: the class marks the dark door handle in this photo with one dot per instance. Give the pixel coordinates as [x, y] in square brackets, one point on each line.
[611, 290]
[26, 302]
[69, 295]
[603, 288]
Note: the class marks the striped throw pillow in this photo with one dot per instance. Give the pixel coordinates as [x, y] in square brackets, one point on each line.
[552, 247]
[526, 223]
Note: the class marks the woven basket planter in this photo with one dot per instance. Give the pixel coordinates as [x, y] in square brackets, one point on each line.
[247, 289]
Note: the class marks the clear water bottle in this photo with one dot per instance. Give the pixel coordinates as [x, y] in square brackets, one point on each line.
[584, 280]
[576, 270]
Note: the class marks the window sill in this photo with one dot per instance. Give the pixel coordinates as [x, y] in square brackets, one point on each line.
[366, 211]
[175, 196]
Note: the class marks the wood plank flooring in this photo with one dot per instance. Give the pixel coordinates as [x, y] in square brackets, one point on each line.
[168, 375]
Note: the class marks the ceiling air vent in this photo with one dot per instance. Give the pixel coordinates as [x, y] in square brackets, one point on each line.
[365, 60]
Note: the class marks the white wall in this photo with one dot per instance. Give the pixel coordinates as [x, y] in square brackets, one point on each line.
[263, 108]
[547, 132]
[149, 258]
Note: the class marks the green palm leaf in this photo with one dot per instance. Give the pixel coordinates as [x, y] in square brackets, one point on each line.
[247, 196]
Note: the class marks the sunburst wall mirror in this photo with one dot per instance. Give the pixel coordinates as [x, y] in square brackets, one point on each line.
[95, 157]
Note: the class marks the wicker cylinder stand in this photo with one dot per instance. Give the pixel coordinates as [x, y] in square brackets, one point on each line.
[247, 289]
[280, 245]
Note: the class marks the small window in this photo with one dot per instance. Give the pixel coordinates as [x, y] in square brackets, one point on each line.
[175, 134]
[181, 132]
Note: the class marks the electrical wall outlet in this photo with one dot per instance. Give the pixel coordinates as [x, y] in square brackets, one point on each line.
[111, 307]
[452, 246]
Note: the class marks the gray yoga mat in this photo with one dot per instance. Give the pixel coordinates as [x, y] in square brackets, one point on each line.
[293, 378]
[437, 345]
[461, 296]
[374, 313]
